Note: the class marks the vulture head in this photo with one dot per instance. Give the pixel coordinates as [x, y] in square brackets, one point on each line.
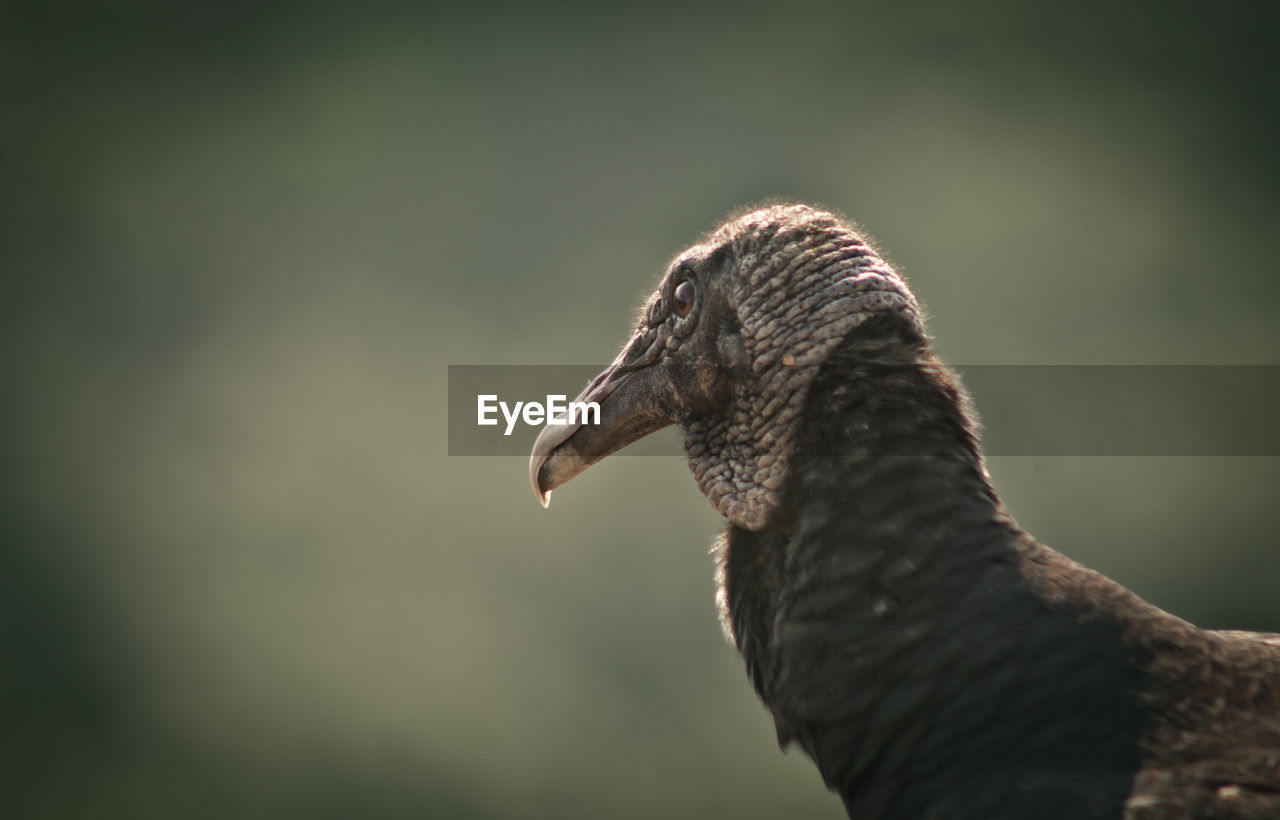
[727, 346]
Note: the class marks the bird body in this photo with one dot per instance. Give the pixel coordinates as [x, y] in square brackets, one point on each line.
[933, 659]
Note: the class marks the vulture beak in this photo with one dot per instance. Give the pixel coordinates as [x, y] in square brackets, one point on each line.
[635, 397]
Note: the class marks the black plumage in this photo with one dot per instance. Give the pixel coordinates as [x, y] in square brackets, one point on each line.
[933, 659]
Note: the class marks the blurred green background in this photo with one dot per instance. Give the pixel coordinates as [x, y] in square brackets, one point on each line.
[242, 242]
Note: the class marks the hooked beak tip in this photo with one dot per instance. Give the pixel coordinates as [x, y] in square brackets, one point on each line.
[535, 466]
[544, 448]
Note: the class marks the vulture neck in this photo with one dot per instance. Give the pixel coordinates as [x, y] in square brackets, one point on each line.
[888, 450]
[886, 614]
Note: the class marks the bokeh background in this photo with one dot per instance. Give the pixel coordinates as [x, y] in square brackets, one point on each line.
[241, 242]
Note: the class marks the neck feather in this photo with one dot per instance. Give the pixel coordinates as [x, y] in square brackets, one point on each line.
[883, 612]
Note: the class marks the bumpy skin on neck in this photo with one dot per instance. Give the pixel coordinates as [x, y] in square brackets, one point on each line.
[803, 281]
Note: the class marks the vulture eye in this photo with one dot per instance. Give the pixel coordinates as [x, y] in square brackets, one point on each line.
[683, 298]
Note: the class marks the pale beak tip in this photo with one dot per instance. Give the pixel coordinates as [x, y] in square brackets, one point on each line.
[535, 465]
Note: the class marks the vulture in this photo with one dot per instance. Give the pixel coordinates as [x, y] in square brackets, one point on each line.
[929, 656]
